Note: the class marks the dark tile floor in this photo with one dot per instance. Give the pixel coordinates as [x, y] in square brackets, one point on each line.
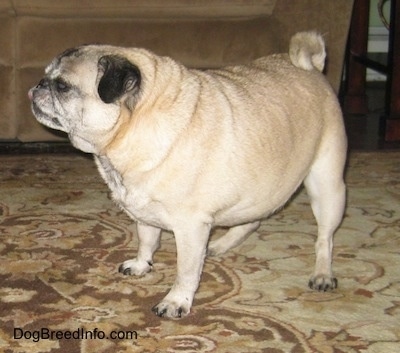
[363, 131]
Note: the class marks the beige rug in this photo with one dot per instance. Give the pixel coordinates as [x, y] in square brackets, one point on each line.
[62, 240]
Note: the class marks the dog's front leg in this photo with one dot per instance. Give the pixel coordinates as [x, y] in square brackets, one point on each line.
[191, 250]
[149, 242]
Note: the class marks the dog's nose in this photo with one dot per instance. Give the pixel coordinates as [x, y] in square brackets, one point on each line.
[43, 83]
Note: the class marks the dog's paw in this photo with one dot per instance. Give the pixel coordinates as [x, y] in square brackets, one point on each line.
[323, 283]
[171, 309]
[135, 267]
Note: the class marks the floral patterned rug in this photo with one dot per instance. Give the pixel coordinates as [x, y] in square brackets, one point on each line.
[62, 240]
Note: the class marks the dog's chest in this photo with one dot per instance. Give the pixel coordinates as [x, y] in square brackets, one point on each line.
[112, 177]
[135, 201]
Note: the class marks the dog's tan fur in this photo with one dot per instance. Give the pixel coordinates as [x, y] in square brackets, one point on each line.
[188, 150]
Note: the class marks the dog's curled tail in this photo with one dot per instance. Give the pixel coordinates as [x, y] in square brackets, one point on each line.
[307, 51]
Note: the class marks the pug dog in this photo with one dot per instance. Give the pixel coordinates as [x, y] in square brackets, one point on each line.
[188, 150]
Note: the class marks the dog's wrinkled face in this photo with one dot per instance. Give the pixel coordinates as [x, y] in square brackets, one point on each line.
[82, 91]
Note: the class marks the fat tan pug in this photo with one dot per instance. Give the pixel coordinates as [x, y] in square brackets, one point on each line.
[188, 150]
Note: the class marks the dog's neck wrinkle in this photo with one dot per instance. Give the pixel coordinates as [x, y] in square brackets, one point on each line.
[149, 126]
[160, 94]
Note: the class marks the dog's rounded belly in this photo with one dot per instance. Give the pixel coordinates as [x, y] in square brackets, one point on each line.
[167, 213]
[247, 211]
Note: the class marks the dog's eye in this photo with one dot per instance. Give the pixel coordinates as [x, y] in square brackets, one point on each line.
[62, 86]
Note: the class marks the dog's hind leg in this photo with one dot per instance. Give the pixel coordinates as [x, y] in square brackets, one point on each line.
[327, 192]
[232, 238]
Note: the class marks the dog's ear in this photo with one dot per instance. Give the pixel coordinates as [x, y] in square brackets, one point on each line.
[120, 76]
